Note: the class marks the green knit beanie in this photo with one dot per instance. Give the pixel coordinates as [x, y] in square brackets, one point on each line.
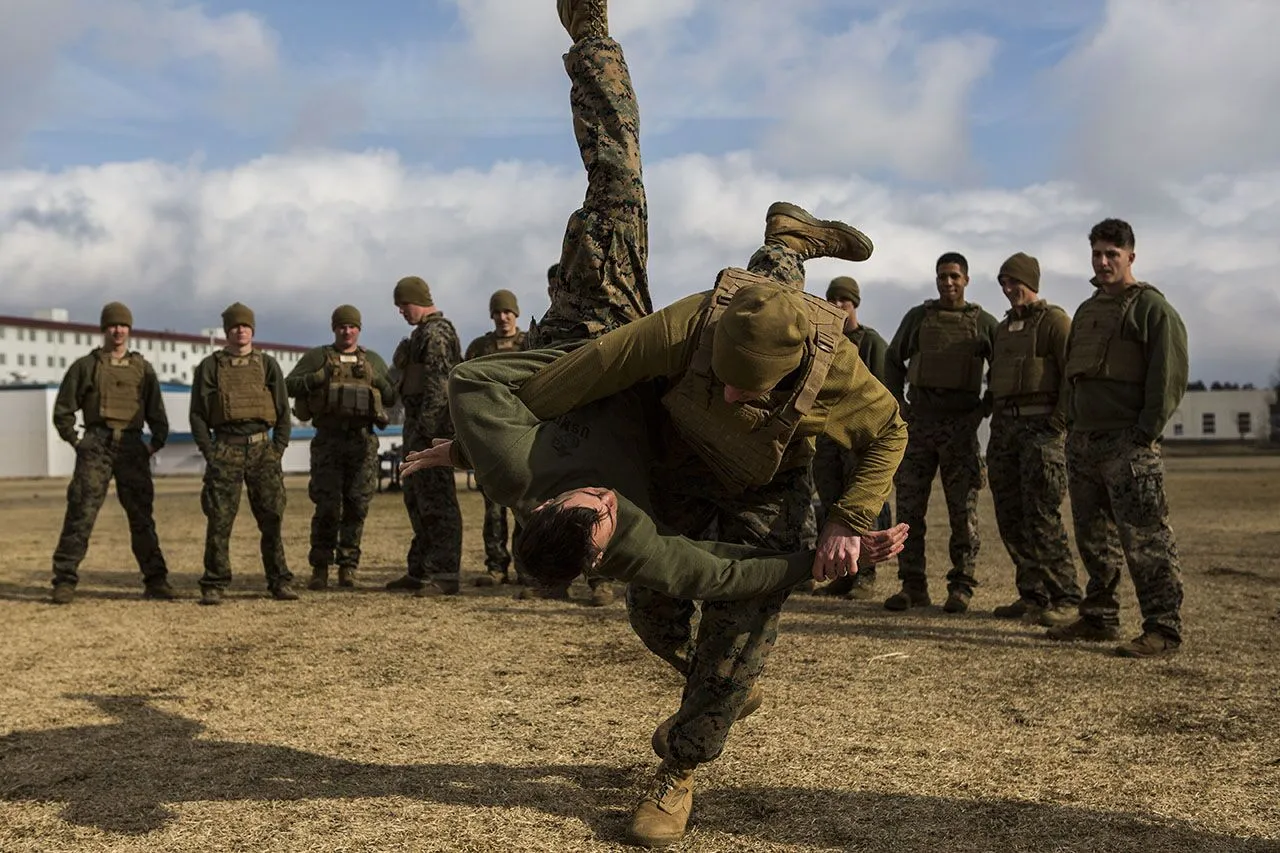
[116, 314]
[237, 314]
[1022, 268]
[844, 287]
[345, 315]
[760, 338]
[412, 290]
[503, 300]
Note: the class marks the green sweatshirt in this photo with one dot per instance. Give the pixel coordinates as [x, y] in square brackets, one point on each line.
[852, 409]
[934, 402]
[308, 376]
[1106, 404]
[77, 393]
[521, 461]
[204, 384]
[872, 349]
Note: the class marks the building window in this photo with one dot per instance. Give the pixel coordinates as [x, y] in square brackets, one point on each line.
[2, 358]
[1244, 423]
[62, 337]
[1177, 430]
[78, 343]
[1, 333]
[1208, 424]
[21, 360]
[48, 337]
[62, 361]
[50, 361]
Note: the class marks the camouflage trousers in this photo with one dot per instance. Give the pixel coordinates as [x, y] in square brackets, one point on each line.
[1121, 516]
[257, 468]
[1028, 473]
[951, 447]
[734, 638]
[497, 556]
[431, 499]
[833, 468]
[344, 478]
[99, 457]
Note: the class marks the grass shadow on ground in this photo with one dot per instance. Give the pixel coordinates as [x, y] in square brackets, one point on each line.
[121, 777]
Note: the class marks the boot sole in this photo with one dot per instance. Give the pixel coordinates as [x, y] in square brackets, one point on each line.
[857, 246]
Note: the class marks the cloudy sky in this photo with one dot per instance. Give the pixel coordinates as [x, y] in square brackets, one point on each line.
[295, 155]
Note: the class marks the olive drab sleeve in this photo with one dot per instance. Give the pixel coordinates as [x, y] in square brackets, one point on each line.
[153, 408]
[904, 345]
[301, 380]
[874, 353]
[647, 348]
[382, 379]
[1167, 362]
[204, 381]
[863, 416]
[71, 391]
[1057, 329]
[283, 427]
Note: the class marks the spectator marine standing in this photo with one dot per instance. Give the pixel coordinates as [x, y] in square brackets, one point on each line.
[240, 422]
[504, 310]
[343, 389]
[1025, 456]
[118, 392]
[424, 359]
[945, 342]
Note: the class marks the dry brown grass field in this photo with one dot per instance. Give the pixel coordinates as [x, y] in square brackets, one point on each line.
[362, 720]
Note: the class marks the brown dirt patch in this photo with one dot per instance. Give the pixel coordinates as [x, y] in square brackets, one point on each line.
[370, 721]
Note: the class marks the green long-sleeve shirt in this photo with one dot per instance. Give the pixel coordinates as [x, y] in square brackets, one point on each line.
[308, 376]
[1106, 404]
[934, 402]
[852, 408]
[521, 461]
[78, 393]
[872, 349]
[204, 385]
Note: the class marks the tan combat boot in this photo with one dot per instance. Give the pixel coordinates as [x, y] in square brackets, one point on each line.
[1152, 644]
[319, 580]
[346, 577]
[806, 235]
[661, 817]
[584, 18]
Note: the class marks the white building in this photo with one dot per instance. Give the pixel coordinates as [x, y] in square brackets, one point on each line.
[1233, 415]
[38, 350]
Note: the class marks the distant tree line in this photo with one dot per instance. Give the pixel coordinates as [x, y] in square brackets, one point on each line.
[1199, 385]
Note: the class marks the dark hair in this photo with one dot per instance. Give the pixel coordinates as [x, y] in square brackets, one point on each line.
[555, 546]
[553, 273]
[1117, 232]
[952, 258]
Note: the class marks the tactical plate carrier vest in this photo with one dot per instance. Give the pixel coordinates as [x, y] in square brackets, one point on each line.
[743, 444]
[948, 357]
[1097, 351]
[242, 394]
[119, 385]
[349, 394]
[1017, 371]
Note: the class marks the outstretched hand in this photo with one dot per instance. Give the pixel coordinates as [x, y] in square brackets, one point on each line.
[881, 545]
[435, 456]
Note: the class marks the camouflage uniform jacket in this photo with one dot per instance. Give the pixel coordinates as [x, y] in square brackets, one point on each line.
[433, 347]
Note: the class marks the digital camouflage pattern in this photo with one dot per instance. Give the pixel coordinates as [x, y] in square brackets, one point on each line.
[430, 496]
[99, 457]
[602, 282]
[257, 467]
[344, 479]
[1116, 481]
[1027, 467]
[949, 446]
